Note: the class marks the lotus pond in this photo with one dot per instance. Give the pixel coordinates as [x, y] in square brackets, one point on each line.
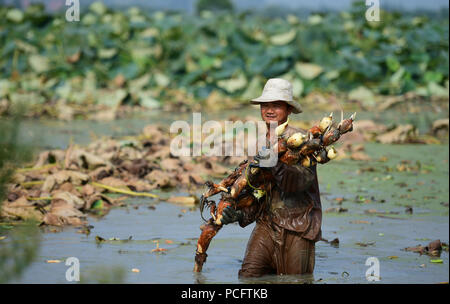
[374, 208]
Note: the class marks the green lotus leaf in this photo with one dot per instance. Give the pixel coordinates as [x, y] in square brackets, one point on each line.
[284, 38]
[233, 84]
[363, 95]
[111, 98]
[107, 53]
[308, 70]
[98, 7]
[15, 15]
[147, 100]
[29, 98]
[39, 63]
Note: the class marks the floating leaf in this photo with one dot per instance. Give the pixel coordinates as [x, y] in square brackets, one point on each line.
[98, 204]
[437, 261]
[99, 239]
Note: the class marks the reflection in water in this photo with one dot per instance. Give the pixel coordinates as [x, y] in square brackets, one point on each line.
[199, 278]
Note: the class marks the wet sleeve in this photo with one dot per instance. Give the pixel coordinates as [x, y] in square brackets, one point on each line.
[293, 178]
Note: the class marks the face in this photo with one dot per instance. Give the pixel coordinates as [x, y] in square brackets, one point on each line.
[276, 111]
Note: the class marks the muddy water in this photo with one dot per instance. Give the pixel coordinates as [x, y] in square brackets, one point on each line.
[365, 187]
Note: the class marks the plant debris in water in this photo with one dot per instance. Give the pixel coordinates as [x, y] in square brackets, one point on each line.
[434, 248]
[64, 186]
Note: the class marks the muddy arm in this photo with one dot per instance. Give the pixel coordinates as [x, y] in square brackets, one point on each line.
[209, 230]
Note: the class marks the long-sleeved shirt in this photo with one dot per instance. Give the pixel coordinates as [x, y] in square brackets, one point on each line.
[293, 201]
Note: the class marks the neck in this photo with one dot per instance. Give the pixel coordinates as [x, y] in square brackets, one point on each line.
[278, 123]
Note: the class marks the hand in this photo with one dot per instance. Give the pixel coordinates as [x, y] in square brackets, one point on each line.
[230, 215]
[263, 157]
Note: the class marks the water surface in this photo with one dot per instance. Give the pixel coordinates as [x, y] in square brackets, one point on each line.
[364, 186]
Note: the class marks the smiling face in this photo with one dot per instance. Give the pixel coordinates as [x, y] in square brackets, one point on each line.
[276, 111]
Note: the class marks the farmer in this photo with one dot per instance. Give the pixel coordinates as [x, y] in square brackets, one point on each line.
[283, 240]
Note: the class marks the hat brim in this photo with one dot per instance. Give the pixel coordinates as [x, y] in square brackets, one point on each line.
[295, 105]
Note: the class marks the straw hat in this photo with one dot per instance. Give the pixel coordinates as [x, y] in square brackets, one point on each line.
[278, 89]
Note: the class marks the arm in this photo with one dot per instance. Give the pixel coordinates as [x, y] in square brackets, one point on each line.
[293, 178]
[249, 215]
[244, 216]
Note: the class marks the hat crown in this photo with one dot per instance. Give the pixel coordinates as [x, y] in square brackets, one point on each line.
[278, 87]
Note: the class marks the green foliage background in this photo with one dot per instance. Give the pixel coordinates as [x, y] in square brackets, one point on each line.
[44, 57]
[213, 5]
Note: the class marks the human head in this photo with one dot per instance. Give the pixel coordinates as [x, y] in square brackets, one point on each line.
[278, 93]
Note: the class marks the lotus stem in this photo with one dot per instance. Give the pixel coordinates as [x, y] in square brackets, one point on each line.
[48, 166]
[31, 184]
[43, 198]
[129, 192]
